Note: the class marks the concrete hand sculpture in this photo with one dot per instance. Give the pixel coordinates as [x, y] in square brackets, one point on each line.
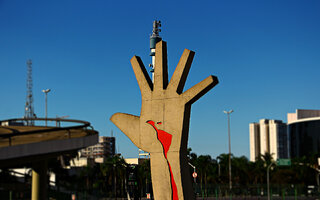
[163, 125]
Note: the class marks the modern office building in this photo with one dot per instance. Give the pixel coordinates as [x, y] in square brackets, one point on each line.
[299, 137]
[254, 131]
[104, 149]
[268, 136]
[304, 133]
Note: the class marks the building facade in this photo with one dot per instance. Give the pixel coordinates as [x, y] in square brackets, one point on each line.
[268, 136]
[254, 131]
[299, 137]
[99, 152]
[304, 133]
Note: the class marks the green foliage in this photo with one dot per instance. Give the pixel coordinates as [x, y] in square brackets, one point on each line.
[115, 178]
[247, 174]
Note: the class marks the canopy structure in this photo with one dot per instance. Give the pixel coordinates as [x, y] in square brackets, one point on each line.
[18, 141]
[32, 146]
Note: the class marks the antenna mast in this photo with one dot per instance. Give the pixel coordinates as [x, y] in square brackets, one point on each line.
[29, 111]
[154, 38]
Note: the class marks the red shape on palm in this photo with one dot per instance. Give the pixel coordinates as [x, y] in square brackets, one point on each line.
[165, 140]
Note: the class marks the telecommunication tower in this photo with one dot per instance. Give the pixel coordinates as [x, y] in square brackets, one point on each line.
[154, 38]
[29, 111]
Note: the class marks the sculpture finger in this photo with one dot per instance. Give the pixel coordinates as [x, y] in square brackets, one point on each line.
[161, 67]
[129, 125]
[143, 79]
[180, 74]
[197, 91]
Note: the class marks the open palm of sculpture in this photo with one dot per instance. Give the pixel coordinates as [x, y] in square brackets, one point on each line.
[163, 124]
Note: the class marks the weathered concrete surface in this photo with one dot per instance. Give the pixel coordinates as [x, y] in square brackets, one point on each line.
[26, 148]
[47, 147]
[39, 180]
[168, 107]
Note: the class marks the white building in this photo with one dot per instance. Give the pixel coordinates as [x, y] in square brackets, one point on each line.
[301, 114]
[254, 131]
[99, 152]
[268, 136]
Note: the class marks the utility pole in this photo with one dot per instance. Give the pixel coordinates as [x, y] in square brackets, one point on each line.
[230, 180]
[46, 94]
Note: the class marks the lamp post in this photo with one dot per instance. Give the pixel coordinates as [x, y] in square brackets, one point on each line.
[46, 94]
[268, 182]
[218, 162]
[230, 181]
[194, 172]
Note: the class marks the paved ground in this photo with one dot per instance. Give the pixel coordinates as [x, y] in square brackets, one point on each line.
[258, 198]
[236, 198]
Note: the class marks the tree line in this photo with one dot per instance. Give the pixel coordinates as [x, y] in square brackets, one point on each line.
[116, 178]
[214, 173]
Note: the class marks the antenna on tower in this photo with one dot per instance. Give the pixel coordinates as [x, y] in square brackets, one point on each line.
[29, 111]
[154, 38]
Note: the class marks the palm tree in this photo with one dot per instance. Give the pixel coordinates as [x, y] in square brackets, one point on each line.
[204, 165]
[143, 176]
[113, 175]
[224, 166]
[106, 173]
[240, 171]
[267, 158]
[260, 166]
[88, 173]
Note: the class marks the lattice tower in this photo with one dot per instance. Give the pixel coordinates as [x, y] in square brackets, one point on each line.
[29, 110]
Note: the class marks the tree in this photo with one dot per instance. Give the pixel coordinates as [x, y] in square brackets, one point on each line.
[240, 166]
[205, 165]
[224, 168]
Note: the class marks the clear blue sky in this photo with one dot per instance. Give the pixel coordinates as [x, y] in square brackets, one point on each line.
[266, 55]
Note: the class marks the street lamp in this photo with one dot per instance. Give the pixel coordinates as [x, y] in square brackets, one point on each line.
[230, 181]
[194, 175]
[46, 94]
[268, 182]
[218, 162]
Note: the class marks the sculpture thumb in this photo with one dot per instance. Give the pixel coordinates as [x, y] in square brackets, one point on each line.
[129, 125]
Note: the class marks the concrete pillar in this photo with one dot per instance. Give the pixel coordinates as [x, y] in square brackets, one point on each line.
[39, 180]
